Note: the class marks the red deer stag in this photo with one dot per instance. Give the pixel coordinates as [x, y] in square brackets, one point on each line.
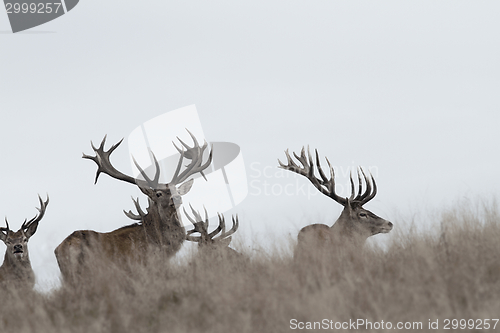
[355, 223]
[16, 268]
[158, 230]
[208, 243]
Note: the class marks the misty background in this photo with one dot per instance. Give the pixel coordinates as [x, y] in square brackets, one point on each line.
[407, 89]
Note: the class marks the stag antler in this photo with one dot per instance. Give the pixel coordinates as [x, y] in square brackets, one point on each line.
[5, 230]
[29, 227]
[327, 185]
[140, 215]
[195, 154]
[37, 218]
[103, 163]
[202, 228]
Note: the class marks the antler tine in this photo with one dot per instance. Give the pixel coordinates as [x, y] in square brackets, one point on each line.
[189, 217]
[310, 164]
[133, 216]
[208, 161]
[233, 229]
[206, 164]
[189, 232]
[221, 226]
[197, 215]
[179, 164]
[103, 163]
[193, 137]
[321, 173]
[291, 164]
[195, 154]
[369, 194]
[153, 183]
[360, 185]
[328, 183]
[306, 166]
[198, 225]
[333, 195]
[301, 154]
[4, 232]
[178, 149]
[194, 140]
[183, 143]
[39, 216]
[206, 217]
[7, 223]
[188, 149]
[224, 226]
[368, 190]
[360, 182]
[374, 193]
[101, 146]
[138, 207]
[352, 186]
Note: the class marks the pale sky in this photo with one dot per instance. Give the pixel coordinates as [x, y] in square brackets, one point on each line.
[409, 89]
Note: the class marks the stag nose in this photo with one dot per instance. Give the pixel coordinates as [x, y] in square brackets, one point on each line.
[390, 224]
[18, 248]
[177, 201]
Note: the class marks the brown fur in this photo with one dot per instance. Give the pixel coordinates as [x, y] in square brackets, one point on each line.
[351, 230]
[17, 269]
[132, 244]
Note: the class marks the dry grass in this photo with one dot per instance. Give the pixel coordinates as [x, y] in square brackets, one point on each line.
[451, 272]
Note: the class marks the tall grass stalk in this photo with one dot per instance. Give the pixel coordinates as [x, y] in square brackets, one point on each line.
[451, 271]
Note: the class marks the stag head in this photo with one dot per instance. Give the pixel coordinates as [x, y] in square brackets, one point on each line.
[17, 242]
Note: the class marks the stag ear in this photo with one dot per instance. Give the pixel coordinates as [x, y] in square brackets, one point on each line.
[184, 188]
[224, 242]
[31, 229]
[3, 234]
[349, 206]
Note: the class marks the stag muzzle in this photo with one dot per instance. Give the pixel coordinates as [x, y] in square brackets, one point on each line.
[18, 251]
[176, 201]
[386, 227]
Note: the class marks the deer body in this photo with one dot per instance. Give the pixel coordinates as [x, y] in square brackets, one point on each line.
[132, 243]
[16, 268]
[158, 231]
[355, 223]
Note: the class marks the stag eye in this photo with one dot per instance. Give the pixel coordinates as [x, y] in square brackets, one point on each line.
[25, 240]
[362, 214]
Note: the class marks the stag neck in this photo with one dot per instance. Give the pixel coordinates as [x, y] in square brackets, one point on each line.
[24, 262]
[345, 230]
[18, 272]
[164, 221]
